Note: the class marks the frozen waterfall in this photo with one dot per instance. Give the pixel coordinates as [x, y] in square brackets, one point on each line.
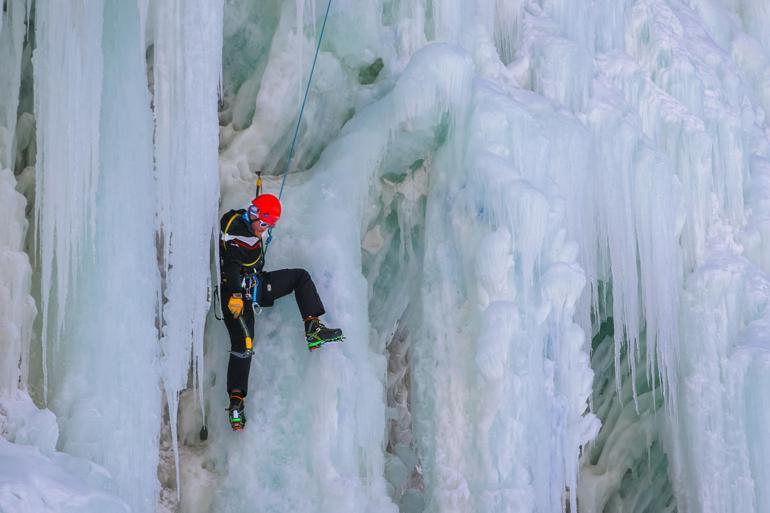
[543, 225]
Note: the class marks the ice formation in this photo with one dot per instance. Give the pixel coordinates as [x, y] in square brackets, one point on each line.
[185, 89]
[543, 225]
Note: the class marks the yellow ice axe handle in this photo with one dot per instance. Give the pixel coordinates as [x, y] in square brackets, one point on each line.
[249, 345]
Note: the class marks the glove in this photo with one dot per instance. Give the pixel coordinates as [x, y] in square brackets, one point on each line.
[235, 305]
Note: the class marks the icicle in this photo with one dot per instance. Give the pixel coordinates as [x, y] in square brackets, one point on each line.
[17, 309]
[68, 64]
[173, 415]
[188, 49]
[12, 28]
[144, 7]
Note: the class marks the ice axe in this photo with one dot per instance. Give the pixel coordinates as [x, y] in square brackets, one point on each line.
[249, 343]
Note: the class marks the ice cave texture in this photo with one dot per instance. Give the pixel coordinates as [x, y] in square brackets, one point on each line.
[543, 225]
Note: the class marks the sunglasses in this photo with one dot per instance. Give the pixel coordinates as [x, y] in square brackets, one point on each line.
[254, 212]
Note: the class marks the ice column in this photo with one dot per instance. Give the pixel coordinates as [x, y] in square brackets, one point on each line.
[187, 68]
[720, 433]
[501, 373]
[12, 29]
[98, 234]
[699, 294]
[68, 64]
[17, 309]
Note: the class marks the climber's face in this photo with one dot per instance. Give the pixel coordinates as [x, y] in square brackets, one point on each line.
[257, 225]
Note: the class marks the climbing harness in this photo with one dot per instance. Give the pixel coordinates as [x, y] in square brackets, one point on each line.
[251, 286]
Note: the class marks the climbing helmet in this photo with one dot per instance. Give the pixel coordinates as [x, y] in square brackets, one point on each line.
[266, 208]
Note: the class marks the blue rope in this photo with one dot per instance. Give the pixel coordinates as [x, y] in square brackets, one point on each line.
[304, 100]
[299, 119]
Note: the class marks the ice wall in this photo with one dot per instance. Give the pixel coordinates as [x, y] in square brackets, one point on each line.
[503, 327]
[644, 131]
[95, 209]
[34, 477]
[725, 308]
[17, 308]
[479, 188]
[701, 112]
[120, 199]
[434, 123]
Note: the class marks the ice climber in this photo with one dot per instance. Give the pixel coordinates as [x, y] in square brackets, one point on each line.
[242, 281]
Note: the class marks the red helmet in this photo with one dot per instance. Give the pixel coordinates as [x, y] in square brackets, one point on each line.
[268, 208]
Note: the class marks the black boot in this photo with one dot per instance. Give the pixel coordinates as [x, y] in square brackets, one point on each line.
[235, 411]
[317, 334]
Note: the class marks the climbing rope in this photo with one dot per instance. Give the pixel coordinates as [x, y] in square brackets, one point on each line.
[299, 119]
[304, 100]
[249, 348]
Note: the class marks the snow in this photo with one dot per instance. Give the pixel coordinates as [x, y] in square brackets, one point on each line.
[542, 226]
[34, 478]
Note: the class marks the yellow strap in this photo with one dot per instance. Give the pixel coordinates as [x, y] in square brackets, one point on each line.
[227, 227]
[252, 263]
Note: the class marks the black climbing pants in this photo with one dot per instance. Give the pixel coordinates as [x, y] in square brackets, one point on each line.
[274, 284]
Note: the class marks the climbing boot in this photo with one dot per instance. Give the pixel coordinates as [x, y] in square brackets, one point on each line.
[235, 411]
[316, 334]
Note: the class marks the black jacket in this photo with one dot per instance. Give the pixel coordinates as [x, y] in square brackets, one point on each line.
[240, 252]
